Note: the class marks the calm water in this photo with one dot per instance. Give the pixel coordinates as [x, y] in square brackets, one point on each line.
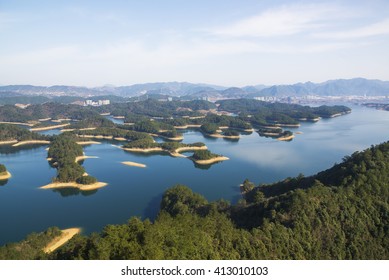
[136, 191]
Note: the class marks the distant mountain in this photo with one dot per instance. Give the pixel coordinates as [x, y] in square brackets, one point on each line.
[342, 87]
[184, 90]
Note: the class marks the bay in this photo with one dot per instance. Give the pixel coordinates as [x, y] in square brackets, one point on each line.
[134, 191]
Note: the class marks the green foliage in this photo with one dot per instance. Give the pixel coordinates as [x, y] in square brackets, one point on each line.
[46, 110]
[15, 132]
[3, 169]
[95, 121]
[63, 152]
[31, 248]
[86, 180]
[204, 155]
[209, 128]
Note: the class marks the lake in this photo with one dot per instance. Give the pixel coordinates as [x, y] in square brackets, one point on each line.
[134, 191]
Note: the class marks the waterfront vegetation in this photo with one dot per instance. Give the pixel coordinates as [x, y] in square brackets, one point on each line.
[9, 132]
[63, 153]
[3, 169]
[340, 213]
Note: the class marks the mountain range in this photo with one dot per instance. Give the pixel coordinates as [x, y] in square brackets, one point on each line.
[340, 87]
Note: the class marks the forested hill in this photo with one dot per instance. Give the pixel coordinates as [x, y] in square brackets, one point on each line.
[340, 213]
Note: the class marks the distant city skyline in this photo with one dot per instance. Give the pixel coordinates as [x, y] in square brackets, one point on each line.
[227, 43]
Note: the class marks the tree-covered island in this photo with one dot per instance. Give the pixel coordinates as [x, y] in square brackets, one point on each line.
[64, 154]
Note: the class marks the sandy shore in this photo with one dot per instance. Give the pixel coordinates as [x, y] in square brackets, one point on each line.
[81, 187]
[87, 142]
[81, 129]
[65, 236]
[61, 120]
[19, 123]
[188, 126]
[139, 150]
[31, 142]
[118, 117]
[188, 149]
[131, 163]
[84, 157]
[5, 176]
[289, 125]
[49, 127]
[210, 161]
[105, 114]
[286, 138]
[217, 135]
[8, 142]
[120, 139]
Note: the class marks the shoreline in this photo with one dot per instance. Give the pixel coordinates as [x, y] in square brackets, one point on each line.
[82, 143]
[146, 150]
[8, 142]
[175, 153]
[136, 164]
[66, 235]
[285, 138]
[80, 129]
[210, 161]
[95, 136]
[49, 127]
[76, 185]
[79, 158]
[218, 135]
[5, 176]
[21, 143]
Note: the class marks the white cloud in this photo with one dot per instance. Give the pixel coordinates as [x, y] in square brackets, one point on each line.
[375, 29]
[286, 20]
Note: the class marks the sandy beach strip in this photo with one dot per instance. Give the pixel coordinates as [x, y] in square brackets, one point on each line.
[118, 117]
[288, 125]
[80, 129]
[210, 161]
[28, 142]
[187, 126]
[79, 158]
[81, 187]
[217, 135]
[8, 142]
[119, 139]
[49, 127]
[131, 163]
[5, 176]
[286, 138]
[149, 150]
[188, 149]
[82, 143]
[66, 235]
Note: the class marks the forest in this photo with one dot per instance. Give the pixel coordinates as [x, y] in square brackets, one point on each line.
[339, 213]
[63, 152]
[14, 132]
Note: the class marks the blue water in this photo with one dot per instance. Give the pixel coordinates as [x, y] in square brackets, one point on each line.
[133, 191]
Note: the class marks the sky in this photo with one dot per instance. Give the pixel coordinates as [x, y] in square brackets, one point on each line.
[222, 42]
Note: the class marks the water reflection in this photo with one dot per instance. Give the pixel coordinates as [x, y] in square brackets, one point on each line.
[67, 192]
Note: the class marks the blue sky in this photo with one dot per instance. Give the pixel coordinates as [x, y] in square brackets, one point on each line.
[230, 43]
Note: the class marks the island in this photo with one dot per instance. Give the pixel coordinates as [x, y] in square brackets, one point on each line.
[4, 173]
[64, 154]
[205, 157]
[136, 164]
